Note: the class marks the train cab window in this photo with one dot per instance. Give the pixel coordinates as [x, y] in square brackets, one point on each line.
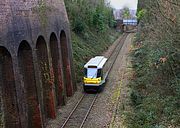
[91, 72]
[99, 73]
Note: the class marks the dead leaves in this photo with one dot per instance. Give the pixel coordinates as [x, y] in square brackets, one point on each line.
[160, 61]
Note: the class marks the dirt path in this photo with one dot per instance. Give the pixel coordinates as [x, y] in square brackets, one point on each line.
[104, 112]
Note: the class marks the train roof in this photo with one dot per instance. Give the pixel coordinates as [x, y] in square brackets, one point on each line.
[97, 61]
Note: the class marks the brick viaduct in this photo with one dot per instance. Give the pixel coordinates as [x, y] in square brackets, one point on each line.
[36, 73]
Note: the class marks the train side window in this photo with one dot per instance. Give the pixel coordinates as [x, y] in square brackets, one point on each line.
[102, 74]
[99, 73]
[85, 72]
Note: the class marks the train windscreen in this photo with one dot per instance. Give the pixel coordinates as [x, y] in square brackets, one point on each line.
[91, 72]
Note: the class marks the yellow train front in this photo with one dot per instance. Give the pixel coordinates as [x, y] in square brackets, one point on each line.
[93, 73]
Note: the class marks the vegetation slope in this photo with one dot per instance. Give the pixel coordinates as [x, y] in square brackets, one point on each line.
[155, 86]
[92, 30]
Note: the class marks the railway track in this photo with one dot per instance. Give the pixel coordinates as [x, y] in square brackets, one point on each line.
[80, 112]
[112, 58]
[78, 115]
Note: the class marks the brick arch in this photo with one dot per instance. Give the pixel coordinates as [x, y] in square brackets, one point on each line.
[26, 67]
[56, 69]
[8, 94]
[46, 78]
[66, 64]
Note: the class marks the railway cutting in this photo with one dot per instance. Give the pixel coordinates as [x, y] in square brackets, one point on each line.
[81, 110]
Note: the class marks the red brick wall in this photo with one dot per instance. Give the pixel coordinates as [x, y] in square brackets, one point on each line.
[58, 81]
[8, 90]
[66, 64]
[27, 20]
[47, 78]
[27, 70]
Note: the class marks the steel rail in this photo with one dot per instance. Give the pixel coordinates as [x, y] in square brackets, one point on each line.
[67, 119]
[92, 103]
[88, 111]
[75, 108]
[117, 44]
[122, 39]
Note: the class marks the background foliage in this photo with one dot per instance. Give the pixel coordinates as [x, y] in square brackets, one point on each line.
[85, 14]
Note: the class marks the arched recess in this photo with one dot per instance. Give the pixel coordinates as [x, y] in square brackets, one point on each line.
[46, 78]
[26, 67]
[8, 92]
[66, 64]
[57, 69]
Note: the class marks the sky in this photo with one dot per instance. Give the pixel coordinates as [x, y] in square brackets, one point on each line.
[119, 4]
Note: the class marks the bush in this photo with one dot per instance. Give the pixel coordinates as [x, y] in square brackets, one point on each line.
[78, 26]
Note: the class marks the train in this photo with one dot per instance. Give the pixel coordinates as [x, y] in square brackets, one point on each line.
[94, 74]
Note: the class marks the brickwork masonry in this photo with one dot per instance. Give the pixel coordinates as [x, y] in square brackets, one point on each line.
[32, 33]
